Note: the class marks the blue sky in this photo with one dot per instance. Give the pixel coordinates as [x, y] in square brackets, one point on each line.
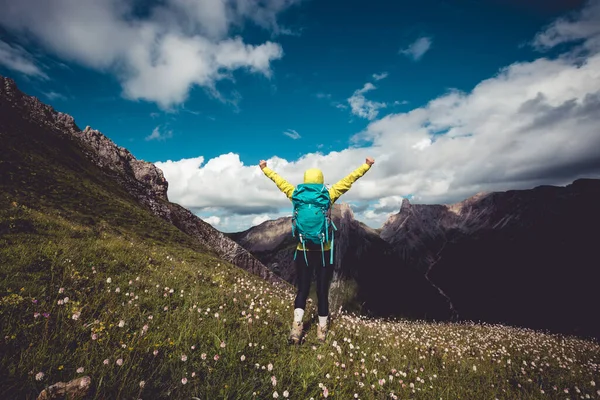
[306, 84]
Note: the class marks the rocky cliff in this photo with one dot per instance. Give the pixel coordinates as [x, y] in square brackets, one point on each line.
[19, 112]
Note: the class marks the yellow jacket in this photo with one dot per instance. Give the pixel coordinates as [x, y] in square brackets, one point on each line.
[316, 176]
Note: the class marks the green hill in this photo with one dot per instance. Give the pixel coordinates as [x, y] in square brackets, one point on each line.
[92, 283]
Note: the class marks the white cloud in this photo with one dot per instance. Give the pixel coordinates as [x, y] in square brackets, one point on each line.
[225, 184]
[18, 59]
[241, 222]
[377, 212]
[159, 135]
[389, 204]
[292, 134]
[159, 57]
[422, 144]
[213, 220]
[533, 123]
[362, 107]
[582, 24]
[417, 49]
[259, 219]
[381, 76]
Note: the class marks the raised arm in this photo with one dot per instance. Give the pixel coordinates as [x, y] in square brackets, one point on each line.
[344, 184]
[283, 185]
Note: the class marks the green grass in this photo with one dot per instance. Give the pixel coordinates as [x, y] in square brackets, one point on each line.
[176, 301]
[93, 284]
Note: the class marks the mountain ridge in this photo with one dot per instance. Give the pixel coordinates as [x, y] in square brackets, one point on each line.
[141, 179]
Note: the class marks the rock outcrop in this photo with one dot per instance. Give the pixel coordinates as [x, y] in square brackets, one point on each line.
[76, 389]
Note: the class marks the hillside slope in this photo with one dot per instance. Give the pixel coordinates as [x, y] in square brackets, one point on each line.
[31, 130]
[94, 285]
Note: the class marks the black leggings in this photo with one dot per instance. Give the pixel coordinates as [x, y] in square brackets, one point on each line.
[304, 278]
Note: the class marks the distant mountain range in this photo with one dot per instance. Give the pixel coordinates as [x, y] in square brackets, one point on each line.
[528, 258]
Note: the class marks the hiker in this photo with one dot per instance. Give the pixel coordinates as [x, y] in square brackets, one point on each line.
[316, 254]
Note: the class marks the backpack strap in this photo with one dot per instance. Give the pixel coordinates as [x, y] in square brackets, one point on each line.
[331, 250]
[303, 248]
[294, 223]
[332, 241]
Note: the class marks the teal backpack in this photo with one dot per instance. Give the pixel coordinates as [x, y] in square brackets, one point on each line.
[311, 219]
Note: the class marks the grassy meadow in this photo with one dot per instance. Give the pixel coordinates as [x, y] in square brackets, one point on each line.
[92, 284]
[152, 319]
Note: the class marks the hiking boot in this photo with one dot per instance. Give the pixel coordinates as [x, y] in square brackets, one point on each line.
[295, 333]
[321, 333]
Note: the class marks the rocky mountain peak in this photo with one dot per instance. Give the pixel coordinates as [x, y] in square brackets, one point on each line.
[107, 154]
[142, 176]
[461, 206]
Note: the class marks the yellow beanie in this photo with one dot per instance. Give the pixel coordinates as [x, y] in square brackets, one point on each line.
[313, 175]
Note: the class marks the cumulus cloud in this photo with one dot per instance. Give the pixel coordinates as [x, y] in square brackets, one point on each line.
[259, 219]
[160, 135]
[533, 123]
[376, 213]
[159, 52]
[292, 134]
[417, 49]
[580, 25]
[213, 220]
[363, 107]
[226, 187]
[18, 59]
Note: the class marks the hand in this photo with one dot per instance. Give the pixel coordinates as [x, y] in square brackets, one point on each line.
[370, 161]
[262, 164]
